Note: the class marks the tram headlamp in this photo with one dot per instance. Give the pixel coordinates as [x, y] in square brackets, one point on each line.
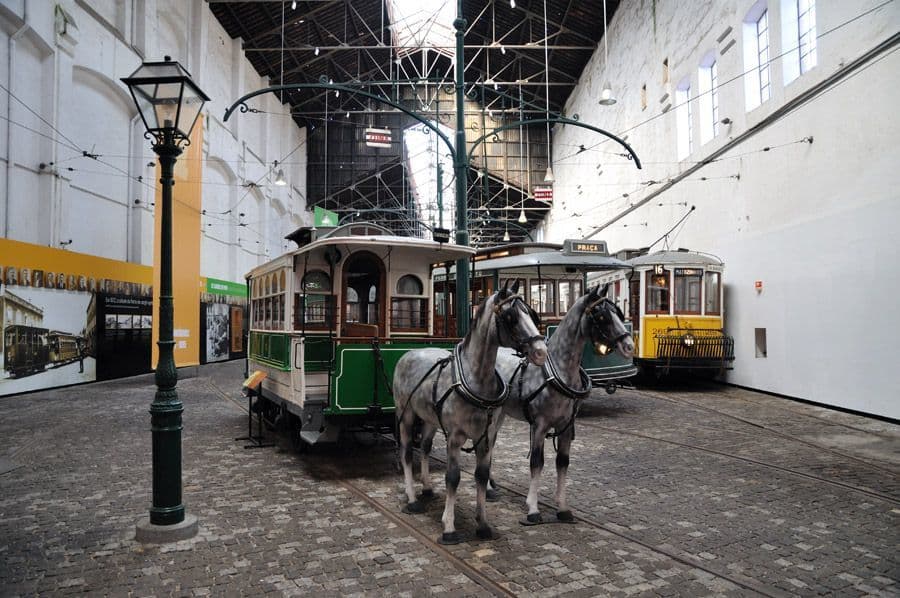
[688, 340]
[601, 348]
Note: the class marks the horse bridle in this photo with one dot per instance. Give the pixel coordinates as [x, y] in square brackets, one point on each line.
[598, 318]
[520, 346]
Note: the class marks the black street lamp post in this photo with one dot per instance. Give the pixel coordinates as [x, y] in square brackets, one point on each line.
[169, 103]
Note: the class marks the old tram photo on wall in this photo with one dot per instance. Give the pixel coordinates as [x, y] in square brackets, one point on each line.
[44, 336]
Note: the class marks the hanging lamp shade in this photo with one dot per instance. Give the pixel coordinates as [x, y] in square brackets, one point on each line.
[506, 235]
[549, 178]
[279, 178]
[606, 96]
[522, 218]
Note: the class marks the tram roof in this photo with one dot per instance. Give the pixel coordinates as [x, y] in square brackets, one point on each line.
[429, 251]
[552, 258]
[679, 257]
[548, 259]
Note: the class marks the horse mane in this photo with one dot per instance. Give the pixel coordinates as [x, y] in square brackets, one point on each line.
[479, 312]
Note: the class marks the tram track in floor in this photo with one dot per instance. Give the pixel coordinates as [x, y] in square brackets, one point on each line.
[689, 560]
[485, 582]
[772, 403]
[870, 493]
[769, 429]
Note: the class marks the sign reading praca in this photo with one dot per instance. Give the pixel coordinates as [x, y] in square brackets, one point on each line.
[378, 137]
[543, 193]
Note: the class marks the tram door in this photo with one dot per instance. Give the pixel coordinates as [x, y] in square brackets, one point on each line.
[364, 296]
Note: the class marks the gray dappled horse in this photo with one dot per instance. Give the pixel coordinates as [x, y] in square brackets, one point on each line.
[462, 393]
[548, 397]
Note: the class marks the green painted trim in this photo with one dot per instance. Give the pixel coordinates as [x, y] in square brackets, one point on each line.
[354, 372]
[272, 349]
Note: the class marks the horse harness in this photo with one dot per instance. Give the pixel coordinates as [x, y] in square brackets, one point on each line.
[519, 345]
[554, 380]
[598, 317]
[459, 383]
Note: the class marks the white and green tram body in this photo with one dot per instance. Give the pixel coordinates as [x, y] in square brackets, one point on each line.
[330, 320]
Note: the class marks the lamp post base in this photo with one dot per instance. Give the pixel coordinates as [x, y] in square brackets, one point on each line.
[150, 533]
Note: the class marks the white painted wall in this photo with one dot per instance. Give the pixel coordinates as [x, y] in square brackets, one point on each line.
[816, 223]
[66, 73]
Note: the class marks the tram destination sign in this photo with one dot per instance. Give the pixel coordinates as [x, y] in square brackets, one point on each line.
[579, 246]
[378, 137]
[543, 193]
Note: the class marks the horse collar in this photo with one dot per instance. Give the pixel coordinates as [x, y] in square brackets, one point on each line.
[551, 374]
[465, 391]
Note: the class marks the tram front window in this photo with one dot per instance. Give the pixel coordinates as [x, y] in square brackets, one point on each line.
[658, 292]
[712, 290]
[541, 294]
[363, 296]
[569, 292]
[687, 290]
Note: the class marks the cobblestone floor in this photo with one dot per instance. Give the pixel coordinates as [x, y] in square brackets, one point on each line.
[709, 492]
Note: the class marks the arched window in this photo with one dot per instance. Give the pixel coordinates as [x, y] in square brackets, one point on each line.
[409, 285]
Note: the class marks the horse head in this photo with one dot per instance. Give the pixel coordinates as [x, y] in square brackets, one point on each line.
[606, 321]
[517, 324]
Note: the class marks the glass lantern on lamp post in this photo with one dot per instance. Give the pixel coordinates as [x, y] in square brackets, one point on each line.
[169, 103]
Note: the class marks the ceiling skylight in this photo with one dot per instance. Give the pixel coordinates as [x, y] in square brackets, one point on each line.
[418, 24]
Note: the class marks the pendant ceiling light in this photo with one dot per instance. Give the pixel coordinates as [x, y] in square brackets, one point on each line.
[279, 178]
[606, 96]
[522, 218]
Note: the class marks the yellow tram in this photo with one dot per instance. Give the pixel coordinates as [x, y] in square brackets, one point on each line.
[674, 300]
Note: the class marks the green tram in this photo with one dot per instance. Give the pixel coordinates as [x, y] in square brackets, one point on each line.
[553, 276]
[329, 321]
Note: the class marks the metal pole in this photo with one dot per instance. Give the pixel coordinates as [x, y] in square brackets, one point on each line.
[166, 409]
[460, 166]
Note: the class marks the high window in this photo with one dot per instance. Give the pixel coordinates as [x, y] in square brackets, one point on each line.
[684, 117]
[757, 85]
[709, 98]
[798, 37]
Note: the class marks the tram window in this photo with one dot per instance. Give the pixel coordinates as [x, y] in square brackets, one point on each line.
[713, 289]
[316, 300]
[541, 294]
[352, 306]
[372, 307]
[409, 313]
[687, 290]
[658, 293]
[409, 285]
[569, 292]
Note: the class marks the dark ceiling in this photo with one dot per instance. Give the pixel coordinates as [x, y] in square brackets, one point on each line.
[350, 42]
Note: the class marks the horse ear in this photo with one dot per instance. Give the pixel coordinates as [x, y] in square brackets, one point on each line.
[515, 287]
[592, 294]
[604, 290]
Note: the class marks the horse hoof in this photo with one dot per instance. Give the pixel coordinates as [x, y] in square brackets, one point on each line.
[565, 516]
[485, 533]
[532, 519]
[414, 507]
[492, 495]
[450, 538]
[426, 494]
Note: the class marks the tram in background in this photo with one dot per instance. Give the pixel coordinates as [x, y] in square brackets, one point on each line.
[30, 349]
[329, 321]
[552, 276]
[674, 300]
